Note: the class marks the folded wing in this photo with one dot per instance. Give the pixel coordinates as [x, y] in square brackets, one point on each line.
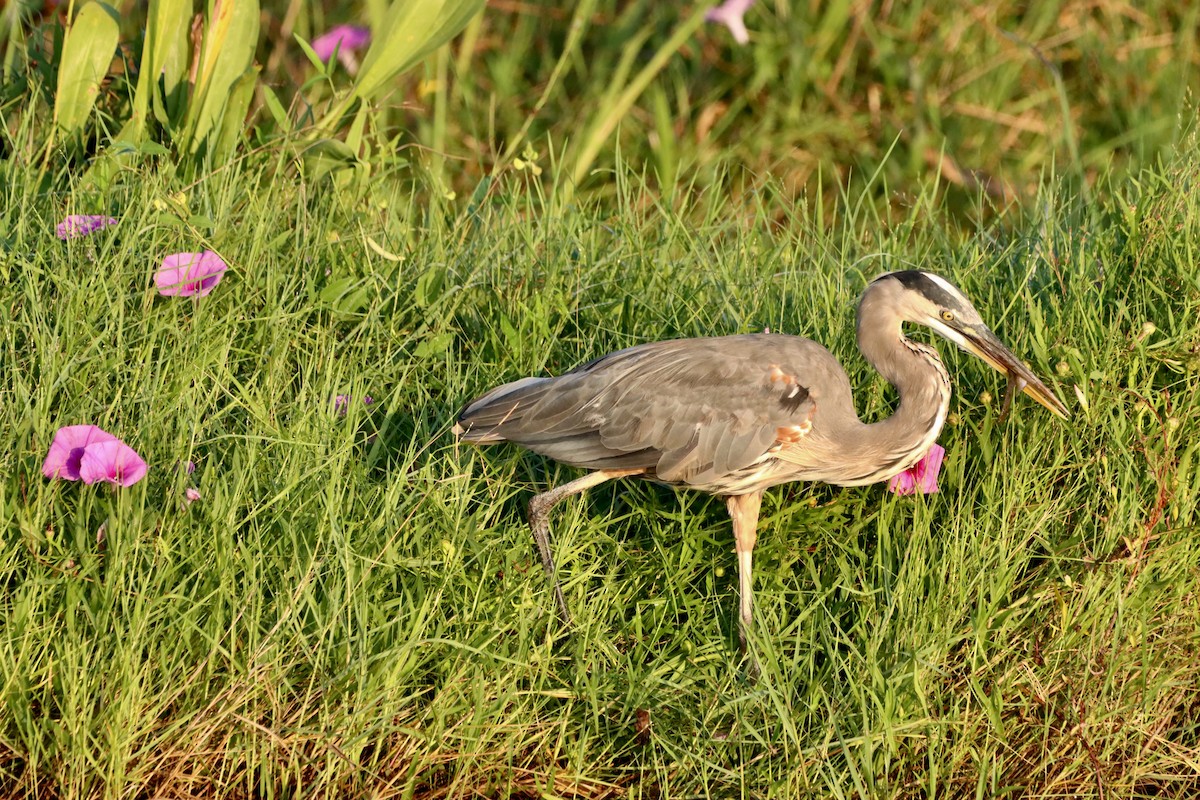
[686, 411]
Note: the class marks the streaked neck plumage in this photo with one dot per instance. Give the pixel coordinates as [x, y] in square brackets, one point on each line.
[891, 445]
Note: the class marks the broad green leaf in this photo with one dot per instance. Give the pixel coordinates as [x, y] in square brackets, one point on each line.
[346, 296]
[311, 55]
[337, 289]
[411, 30]
[434, 345]
[429, 287]
[12, 39]
[123, 152]
[104, 169]
[511, 337]
[356, 179]
[333, 150]
[87, 52]
[278, 112]
[327, 155]
[166, 219]
[354, 137]
[233, 117]
[202, 223]
[164, 64]
[376, 13]
[230, 38]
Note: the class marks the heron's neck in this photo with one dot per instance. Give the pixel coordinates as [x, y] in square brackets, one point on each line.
[894, 444]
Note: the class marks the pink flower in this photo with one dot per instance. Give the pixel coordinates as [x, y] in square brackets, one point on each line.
[87, 453]
[191, 494]
[113, 461]
[66, 451]
[341, 403]
[349, 37]
[920, 477]
[730, 15]
[188, 274]
[77, 225]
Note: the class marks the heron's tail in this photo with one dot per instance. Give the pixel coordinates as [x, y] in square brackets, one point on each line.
[483, 420]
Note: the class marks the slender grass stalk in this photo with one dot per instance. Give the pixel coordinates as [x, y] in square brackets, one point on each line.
[609, 115]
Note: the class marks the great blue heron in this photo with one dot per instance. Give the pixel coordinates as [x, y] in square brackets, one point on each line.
[735, 415]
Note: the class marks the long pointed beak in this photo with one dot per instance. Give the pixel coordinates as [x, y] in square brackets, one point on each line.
[981, 342]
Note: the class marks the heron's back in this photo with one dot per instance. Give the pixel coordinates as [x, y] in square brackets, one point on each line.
[710, 413]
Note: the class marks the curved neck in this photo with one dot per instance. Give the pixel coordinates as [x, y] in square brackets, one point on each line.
[892, 445]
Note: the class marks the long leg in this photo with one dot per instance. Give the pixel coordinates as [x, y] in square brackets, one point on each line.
[743, 510]
[539, 510]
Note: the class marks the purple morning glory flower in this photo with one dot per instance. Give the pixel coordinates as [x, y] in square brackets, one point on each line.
[76, 225]
[90, 454]
[350, 37]
[920, 477]
[341, 403]
[188, 274]
[730, 15]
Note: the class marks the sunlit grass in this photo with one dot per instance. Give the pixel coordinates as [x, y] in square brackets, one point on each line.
[354, 606]
[985, 98]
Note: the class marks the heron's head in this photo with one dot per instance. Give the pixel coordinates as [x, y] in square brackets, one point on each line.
[931, 300]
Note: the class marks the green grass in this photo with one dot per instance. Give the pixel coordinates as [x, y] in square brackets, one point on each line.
[354, 607]
[987, 99]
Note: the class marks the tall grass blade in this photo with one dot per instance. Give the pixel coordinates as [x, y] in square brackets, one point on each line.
[609, 115]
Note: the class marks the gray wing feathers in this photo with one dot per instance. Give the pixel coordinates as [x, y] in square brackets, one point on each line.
[688, 410]
[486, 416]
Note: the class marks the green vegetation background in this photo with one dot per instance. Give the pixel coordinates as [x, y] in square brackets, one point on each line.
[354, 608]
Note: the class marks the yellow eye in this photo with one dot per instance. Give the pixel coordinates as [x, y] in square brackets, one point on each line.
[948, 316]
